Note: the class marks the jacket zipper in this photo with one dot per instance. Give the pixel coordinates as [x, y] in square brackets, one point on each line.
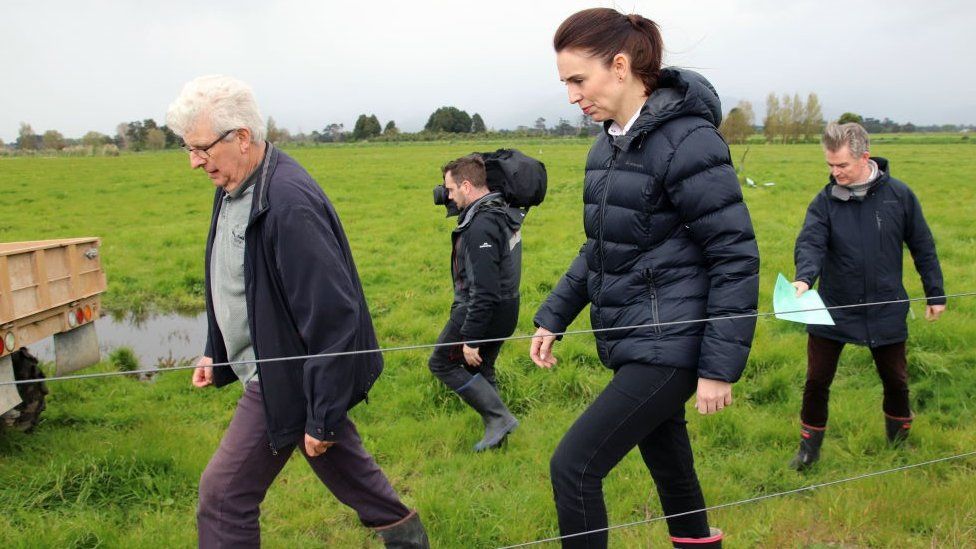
[603, 206]
[877, 217]
[655, 313]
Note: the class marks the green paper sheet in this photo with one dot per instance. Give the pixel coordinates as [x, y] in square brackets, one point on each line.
[784, 299]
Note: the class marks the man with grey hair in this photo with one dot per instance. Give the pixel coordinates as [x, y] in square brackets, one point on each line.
[280, 282]
[852, 240]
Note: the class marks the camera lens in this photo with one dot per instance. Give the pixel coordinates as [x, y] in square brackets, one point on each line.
[440, 195]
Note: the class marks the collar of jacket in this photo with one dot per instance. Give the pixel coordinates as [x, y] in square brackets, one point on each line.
[259, 204]
[490, 200]
[679, 92]
[883, 175]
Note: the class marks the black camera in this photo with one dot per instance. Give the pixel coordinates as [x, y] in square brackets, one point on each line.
[441, 199]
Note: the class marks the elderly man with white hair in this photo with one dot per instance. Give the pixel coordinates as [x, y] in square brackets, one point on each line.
[280, 282]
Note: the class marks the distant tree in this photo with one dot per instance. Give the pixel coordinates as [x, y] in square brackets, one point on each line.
[173, 141]
[391, 128]
[540, 125]
[120, 140]
[137, 133]
[908, 127]
[26, 140]
[274, 135]
[53, 140]
[848, 117]
[813, 121]
[477, 124]
[449, 119]
[771, 124]
[872, 125]
[95, 139]
[374, 126]
[155, 139]
[366, 127]
[332, 133]
[564, 128]
[587, 127]
[737, 125]
[795, 123]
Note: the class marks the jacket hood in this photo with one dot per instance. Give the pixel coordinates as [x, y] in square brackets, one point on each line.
[680, 92]
[493, 201]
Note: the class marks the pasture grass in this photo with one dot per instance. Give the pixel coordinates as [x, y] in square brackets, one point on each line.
[115, 462]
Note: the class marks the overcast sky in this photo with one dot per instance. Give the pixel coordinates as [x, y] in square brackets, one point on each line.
[77, 66]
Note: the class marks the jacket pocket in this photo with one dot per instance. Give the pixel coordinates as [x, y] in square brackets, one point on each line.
[652, 292]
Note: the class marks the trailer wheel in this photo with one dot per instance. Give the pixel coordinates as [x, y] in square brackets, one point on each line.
[33, 395]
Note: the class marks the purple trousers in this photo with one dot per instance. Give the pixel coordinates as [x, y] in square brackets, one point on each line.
[239, 474]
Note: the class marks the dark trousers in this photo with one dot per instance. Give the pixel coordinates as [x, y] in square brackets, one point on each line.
[643, 406]
[447, 362]
[239, 474]
[822, 357]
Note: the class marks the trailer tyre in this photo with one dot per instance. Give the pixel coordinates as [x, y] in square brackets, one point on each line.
[33, 395]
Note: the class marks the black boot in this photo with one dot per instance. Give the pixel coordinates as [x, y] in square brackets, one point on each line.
[810, 441]
[499, 422]
[713, 541]
[897, 429]
[407, 533]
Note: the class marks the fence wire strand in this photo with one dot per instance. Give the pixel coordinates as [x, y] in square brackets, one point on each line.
[478, 341]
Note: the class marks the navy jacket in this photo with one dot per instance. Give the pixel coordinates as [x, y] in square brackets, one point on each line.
[668, 239]
[303, 297]
[486, 266]
[856, 250]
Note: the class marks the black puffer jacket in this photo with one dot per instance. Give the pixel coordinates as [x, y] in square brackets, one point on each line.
[668, 239]
[486, 266]
[856, 249]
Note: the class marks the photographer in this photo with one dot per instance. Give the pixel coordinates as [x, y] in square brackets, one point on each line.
[486, 265]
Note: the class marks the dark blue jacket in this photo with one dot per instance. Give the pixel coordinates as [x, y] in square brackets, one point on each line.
[303, 297]
[668, 239]
[856, 250]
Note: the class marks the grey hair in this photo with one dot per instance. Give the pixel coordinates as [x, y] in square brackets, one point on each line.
[852, 134]
[228, 102]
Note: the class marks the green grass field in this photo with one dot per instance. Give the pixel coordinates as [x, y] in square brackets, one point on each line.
[115, 462]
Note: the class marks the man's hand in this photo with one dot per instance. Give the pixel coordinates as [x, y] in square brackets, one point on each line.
[541, 349]
[933, 312]
[472, 356]
[203, 373]
[801, 287]
[713, 395]
[315, 447]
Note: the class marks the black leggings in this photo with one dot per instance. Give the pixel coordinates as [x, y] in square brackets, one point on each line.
[643, 406]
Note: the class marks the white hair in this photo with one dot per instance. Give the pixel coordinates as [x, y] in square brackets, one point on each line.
[228, 102]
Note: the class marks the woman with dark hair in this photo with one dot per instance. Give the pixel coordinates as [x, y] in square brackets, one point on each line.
[669, 240]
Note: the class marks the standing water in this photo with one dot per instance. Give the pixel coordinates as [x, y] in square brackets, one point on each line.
[155, 340]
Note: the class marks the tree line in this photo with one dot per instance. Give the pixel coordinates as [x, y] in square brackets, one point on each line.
[789, 119]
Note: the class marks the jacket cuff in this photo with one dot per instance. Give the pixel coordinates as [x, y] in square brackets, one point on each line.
[542, 321]
[319, 430]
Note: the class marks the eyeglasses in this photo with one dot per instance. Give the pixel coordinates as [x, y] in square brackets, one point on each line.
[204, 152]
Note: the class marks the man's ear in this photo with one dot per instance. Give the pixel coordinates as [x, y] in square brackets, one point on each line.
[243, 136]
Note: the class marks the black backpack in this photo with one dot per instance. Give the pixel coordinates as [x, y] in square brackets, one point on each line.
[521, 179]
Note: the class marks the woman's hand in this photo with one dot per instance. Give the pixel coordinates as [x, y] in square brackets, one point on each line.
[541, 349]
[713, 395]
